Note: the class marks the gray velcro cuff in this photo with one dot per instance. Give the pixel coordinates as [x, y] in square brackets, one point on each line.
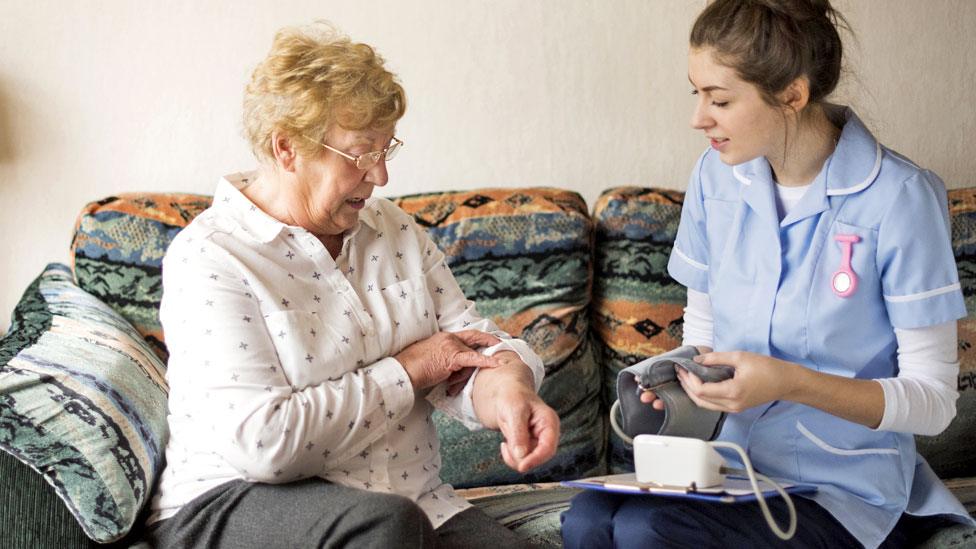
[681, 417]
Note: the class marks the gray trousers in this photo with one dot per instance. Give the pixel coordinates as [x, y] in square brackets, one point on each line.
[316, 513]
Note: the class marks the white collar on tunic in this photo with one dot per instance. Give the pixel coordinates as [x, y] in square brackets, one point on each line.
[847, 170]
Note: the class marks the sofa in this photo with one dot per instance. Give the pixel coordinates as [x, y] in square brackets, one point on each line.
[82, 368]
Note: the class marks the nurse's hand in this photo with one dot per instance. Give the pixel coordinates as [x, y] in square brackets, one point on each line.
[758, 379]
[648, 397]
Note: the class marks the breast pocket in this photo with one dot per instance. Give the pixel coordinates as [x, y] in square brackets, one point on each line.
[411, 311]
[309, 351]
[848, 268]
[732, 262]
[846, 305]
[719, 216]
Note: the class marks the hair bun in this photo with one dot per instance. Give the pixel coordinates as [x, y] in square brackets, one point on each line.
[770, 43]
[799, 9]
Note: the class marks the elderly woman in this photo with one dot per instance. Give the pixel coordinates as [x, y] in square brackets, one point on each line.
[313, 329]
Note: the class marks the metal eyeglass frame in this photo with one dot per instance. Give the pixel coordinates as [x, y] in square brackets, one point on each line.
[365, 161]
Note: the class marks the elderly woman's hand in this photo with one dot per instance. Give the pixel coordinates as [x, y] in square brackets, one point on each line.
[505, 399]
[530, 428]
[446, 356]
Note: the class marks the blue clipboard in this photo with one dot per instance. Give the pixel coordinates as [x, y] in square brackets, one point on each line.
[733, 490]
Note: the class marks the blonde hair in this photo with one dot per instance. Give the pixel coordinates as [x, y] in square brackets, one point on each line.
[315, 77]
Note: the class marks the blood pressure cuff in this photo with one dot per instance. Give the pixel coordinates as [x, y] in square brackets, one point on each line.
[681, 417]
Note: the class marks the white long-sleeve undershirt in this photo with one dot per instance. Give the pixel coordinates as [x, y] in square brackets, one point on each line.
[920, 400]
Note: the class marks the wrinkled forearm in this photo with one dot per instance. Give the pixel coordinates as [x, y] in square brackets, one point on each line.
[490, 382]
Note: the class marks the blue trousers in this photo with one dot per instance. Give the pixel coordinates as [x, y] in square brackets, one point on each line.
[600, 519]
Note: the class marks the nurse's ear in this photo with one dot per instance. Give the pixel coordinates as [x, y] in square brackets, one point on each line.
[796, 95]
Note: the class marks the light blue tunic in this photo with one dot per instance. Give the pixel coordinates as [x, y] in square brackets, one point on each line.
[770, 287]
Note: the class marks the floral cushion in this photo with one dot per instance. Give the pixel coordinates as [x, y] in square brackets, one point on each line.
[82, 403]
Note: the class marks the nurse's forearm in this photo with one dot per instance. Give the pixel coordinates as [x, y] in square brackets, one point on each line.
[858, 400]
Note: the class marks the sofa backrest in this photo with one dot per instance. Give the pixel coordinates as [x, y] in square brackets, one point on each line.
[523, 255]
[951, 452]
[117, 252]
[637, 308]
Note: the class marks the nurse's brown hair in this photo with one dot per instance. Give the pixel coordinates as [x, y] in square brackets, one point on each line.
[770, 43]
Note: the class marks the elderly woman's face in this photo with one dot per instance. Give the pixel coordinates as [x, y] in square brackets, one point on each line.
[331, 187]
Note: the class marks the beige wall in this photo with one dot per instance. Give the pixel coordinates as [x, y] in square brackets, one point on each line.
[100, 97]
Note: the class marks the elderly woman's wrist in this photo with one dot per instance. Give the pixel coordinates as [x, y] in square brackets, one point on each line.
[505, 385]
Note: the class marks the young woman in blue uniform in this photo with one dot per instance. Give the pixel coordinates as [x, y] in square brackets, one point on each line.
[818, 265]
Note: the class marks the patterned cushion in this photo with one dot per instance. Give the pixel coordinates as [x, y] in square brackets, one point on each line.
[83, 403]
[118, 249]
[637, 307]
[950, 453]
[523, 255]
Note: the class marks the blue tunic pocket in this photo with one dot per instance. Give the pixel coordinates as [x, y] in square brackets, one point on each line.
[719, 225]
[868, 464]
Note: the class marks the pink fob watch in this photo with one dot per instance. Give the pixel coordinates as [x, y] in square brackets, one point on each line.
[844, 279]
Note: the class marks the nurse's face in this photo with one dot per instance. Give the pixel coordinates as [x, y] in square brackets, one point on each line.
[731, 112]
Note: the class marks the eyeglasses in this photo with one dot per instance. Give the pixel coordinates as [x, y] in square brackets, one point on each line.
[365, 161]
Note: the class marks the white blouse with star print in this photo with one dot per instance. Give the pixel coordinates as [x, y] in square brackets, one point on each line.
[281, 361]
